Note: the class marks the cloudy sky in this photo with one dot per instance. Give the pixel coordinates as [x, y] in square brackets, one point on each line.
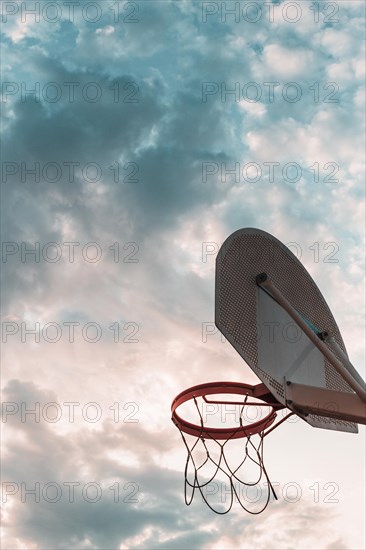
[137, 136]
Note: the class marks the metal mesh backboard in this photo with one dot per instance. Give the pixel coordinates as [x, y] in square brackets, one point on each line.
[261, 331]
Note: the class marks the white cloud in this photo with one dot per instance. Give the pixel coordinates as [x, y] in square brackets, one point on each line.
[286, 62]
[109, 29]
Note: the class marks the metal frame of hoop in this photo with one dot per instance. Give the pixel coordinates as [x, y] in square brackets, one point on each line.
[258, 391]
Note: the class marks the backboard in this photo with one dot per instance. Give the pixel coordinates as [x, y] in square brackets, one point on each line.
[262, 332]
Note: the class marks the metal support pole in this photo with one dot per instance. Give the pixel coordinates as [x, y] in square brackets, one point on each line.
[263, 281]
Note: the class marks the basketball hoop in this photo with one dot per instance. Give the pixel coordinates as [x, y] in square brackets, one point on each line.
[260, 284]
[206, 455]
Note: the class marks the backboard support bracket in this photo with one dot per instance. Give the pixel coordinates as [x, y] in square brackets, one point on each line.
[325, 402]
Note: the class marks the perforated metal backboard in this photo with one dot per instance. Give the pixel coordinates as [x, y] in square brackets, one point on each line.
[260, 329]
